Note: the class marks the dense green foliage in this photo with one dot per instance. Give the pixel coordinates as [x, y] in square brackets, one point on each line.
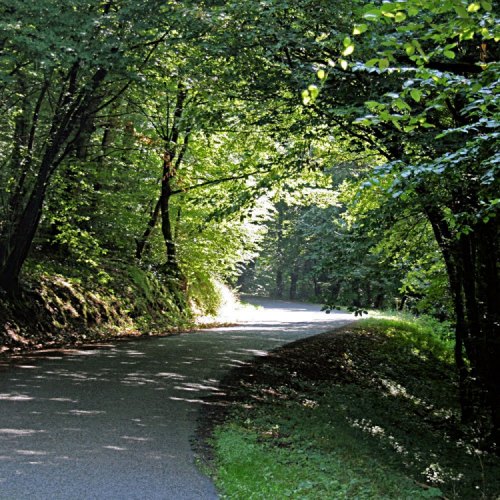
[443, 106]
[366, 415]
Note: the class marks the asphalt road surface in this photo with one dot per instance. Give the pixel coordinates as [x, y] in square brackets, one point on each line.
[115, 422]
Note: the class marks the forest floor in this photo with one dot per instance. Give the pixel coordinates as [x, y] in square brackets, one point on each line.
[367, 411]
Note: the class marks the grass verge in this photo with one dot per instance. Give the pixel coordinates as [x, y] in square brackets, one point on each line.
[366, 412]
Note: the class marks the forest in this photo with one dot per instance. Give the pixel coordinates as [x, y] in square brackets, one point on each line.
[343, 153]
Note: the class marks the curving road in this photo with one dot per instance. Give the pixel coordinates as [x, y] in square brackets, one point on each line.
[115, 422]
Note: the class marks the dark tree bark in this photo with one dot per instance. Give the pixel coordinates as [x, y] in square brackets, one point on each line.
[472, 266]
[334, 290]
[279, 284]
[172, 158]
[72, 105]
[317, 287]
[378, 303]
[142, 241]
[172, 265]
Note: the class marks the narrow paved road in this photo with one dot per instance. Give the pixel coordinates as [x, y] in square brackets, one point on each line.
[115, 422]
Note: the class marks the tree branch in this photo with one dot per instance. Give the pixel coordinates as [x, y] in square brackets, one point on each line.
[215, 181]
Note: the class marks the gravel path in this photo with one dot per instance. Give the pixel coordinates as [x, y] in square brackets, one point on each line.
[115, 422]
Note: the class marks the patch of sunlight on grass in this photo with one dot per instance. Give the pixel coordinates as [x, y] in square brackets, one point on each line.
[419, 334]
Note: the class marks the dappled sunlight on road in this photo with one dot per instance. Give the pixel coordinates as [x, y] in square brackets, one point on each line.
[14, 397]
[18, 432]
[101, 422]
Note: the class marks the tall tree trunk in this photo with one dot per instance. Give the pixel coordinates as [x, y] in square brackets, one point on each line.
[279, 283]
[378, 303]
[172, 265]
[294, 278]
[17, 247]
[334, 290]
[471, 263]
[482, 293]
[317, 287]
[444, 238]
[172, 159]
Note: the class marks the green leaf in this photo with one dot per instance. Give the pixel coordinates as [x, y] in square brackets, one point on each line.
[486, 5]
[416, 95]
[473, 7]
[383, 63]
[347, 41]
[359, 28]
[372, 104]
[402, 105]
[400, 17]
[449, 54]
[410, 49]
[467, 35]
[313, 91]
[343, 64]
[348, 50]
[388, 7]
[372, 15]
[321, 74]
[461, 11]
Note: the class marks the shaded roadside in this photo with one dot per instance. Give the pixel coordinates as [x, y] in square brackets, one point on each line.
[381, 417]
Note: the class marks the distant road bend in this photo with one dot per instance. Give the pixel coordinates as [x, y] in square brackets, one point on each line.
[116, 423]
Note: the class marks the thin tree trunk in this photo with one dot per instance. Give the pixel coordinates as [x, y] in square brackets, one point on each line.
[279, 285]
[172, 265]
[141, 243]
[169, 168]
[294, 278]
[278, 290]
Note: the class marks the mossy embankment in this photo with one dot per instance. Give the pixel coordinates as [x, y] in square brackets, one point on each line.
[59, 306]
